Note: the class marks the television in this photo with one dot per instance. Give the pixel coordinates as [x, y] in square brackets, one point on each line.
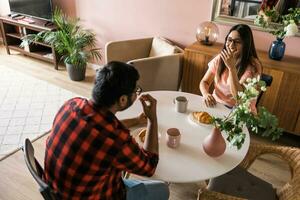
[34, 8]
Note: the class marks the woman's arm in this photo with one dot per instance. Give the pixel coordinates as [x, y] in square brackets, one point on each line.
[230, 60]
[204, 88]
[234, 83]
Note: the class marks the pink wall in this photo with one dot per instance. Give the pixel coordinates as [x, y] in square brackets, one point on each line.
[68, 6]
[119, 19]
[173, 19]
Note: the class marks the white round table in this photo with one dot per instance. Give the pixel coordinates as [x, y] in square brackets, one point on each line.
[188, 162]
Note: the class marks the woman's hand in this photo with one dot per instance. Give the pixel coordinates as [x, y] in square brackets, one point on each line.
[230, 58]
[209, 100]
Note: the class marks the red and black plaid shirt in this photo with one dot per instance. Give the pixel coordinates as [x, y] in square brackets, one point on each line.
[87, 150]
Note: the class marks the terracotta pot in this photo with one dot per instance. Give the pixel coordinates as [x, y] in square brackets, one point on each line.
[214, 144]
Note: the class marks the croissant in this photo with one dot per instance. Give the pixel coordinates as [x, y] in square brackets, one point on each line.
[202, 117]
[142, 135]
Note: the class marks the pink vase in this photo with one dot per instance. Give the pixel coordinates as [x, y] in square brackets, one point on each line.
[214, 144]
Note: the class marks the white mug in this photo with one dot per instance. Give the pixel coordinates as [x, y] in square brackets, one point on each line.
[181, 104]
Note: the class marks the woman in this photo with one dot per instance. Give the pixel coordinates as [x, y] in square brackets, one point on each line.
[230, 69]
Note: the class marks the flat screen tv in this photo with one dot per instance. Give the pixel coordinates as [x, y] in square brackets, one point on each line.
[35, 8]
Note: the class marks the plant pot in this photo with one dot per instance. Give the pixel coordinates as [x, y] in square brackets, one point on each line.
[277, 48]
[76, 73]
[214, 144]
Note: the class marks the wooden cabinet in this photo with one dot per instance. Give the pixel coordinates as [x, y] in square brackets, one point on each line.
[282, 98]
[14, 30]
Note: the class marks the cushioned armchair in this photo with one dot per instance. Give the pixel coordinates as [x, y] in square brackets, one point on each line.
[222, 188]
[157, 60]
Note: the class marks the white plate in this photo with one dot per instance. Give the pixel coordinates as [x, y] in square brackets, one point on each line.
[194, 121]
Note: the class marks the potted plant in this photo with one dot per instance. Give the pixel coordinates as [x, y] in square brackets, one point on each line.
[74, 44]
[261, 122]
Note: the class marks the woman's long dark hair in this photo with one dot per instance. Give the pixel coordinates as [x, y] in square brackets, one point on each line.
[248, 50]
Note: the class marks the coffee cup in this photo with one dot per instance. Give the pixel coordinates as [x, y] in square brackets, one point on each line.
[173, 137]
[181, 104]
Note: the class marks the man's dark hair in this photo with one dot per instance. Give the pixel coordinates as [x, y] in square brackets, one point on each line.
[112, 81]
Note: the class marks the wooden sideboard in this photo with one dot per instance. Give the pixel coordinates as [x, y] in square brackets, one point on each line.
[282, 98]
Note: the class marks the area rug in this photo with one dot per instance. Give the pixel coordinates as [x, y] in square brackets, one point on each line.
[27, 108]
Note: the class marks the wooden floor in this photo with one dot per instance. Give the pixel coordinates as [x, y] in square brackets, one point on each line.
[45, 71]
[16, 182]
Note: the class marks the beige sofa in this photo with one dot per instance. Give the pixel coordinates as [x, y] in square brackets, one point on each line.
[161, 71]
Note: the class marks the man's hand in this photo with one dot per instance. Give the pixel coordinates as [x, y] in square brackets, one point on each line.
[149, 106]
[151, 138]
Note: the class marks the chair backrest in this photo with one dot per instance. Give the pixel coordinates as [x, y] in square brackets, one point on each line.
[126, 50]
[268, 80]
[158, 72]
[36, 171]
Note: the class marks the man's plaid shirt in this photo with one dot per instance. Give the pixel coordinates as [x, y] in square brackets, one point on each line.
[87, 150]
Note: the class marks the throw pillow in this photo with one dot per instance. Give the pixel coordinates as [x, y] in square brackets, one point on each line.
[161, 47]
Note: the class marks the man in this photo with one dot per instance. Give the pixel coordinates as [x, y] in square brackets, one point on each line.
[89, 148]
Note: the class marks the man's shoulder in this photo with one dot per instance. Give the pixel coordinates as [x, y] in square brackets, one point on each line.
[77, 99]
[116, 128]
[73, 105]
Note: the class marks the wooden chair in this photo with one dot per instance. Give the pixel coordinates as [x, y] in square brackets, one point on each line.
[37, 171]
[289, 191]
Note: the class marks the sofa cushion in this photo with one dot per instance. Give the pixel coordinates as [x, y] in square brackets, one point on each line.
[161, 47]
[240, 183]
